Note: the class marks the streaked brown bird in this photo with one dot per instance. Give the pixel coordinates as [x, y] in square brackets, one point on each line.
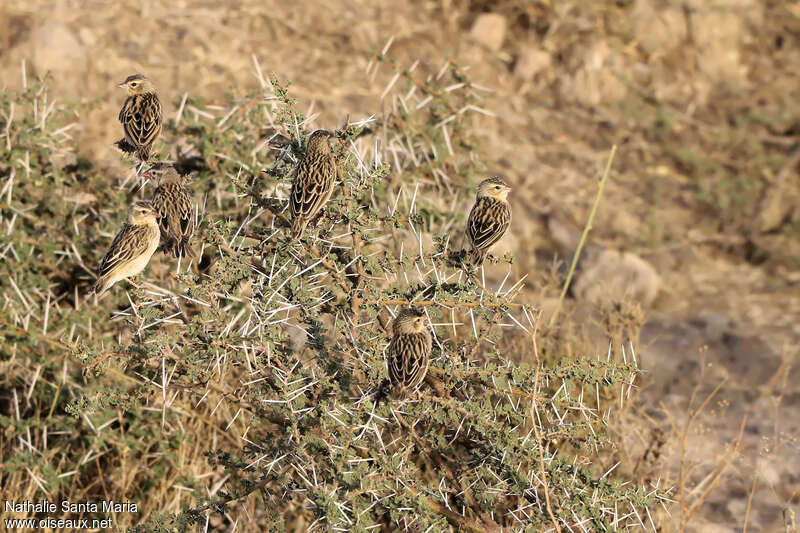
[313, 182]
[408, 354]
[175, 207]
[131, 249]
[489, 218]
[140, 116]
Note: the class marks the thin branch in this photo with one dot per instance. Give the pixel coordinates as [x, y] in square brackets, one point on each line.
[542, 471]
[586, 229]
[454, 518]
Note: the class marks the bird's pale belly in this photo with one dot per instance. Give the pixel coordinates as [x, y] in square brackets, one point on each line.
[135, 266]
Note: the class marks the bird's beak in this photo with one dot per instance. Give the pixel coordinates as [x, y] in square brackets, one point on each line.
[122, 85]
[508, 188]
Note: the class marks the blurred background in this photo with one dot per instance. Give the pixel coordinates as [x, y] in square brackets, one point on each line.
[695, 252]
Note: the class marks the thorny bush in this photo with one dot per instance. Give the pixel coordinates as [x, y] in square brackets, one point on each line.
[267, 357]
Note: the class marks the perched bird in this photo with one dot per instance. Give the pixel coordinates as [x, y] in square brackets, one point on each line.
[140, 116]
[489, 218]
[409, 351]
[175, 207]
[131, 249]
[313, 182]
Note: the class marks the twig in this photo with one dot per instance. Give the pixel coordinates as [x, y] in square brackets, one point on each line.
[584, 235]
[437, 458]
[542, 471]
[473, 375]
[487, 331]
[454, 518]
[334, 273]
[697, 411]
[682, 436]
[750, 500]
[729, 458]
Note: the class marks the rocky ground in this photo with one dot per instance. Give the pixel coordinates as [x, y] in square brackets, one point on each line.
[697, 232]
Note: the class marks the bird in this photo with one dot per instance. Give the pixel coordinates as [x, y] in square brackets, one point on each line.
[489, 218]
[313, 182]
[141, 116]
[408, 354]
[175, 209]
[131, 249]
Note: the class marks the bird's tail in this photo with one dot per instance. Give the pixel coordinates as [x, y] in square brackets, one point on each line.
[176, 248]
[384, 391]
[478, 256]
[298, 227]
[184, 249]
[125, 146]
[143, 153]
[100, 286]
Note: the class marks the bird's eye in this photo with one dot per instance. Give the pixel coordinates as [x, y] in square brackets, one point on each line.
[497, 187]
[134, 83]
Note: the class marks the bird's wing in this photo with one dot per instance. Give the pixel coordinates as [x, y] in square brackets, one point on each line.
[159, 200]
[408, 358]
[311, 186]
[141, 118]
[161, 203]
[488, 221]
[130, 243]
[123, 113]
[391, 359]
[187, 215]
[175, 207]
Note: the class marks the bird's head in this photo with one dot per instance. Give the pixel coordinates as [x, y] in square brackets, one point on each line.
[494, 187]
[142, 213]
[409, 321]
[137, 84]
[161, 174]
[320, 142]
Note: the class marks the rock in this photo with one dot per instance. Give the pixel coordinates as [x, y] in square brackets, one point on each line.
[87, 36]
[57, 48]
[610, 274]
[625, 223]
[718, 34]
[715, 324]
[642, 74]
[658, 31]
[563, 232]
[776, 208]
[531, 62]
[596, 81]
[489, 29]
[710, 527]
